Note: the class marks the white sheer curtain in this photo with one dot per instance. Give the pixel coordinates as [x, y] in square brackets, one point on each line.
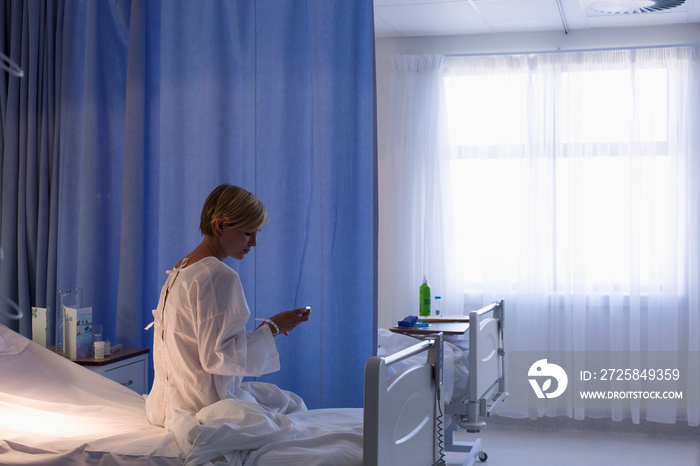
[575, 198]
[414, 222]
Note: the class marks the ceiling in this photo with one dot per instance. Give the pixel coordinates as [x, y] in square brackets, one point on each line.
[403, 18]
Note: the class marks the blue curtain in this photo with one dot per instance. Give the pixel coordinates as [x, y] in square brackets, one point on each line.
[91, 120]
[162, 101]
[30, 138]
[315, 93]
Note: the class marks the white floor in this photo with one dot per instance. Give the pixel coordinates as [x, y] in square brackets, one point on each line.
[578, 443]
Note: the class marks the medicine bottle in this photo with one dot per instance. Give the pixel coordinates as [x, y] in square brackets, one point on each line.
[438, 305]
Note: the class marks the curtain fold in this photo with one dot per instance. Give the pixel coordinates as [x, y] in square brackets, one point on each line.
[138, 267]
[91, 154]
[415, 231]
[29, 139]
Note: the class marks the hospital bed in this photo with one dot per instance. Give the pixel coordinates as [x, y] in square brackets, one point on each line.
[467, 405]
[53, 411]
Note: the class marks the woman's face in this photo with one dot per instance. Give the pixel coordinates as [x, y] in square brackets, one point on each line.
[237, 243]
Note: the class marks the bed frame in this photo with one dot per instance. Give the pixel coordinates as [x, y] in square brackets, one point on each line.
[487, 384]
[403, 415]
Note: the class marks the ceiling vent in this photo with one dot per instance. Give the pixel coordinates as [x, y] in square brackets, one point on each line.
[633, 6]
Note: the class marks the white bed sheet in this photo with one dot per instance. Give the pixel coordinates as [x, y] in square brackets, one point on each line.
[234, 432]
[56, 412]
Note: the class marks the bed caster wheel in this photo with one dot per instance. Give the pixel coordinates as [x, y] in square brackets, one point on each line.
[483, 456]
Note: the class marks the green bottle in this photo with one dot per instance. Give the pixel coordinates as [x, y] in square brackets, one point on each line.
[425, 298]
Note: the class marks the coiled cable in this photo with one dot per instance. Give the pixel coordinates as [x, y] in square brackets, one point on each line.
[440, 434]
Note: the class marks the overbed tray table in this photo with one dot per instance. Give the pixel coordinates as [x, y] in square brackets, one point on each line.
[448, 328]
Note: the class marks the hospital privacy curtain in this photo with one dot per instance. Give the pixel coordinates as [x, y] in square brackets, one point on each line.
[134, 111]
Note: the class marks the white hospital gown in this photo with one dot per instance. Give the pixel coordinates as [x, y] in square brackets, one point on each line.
[201, 350]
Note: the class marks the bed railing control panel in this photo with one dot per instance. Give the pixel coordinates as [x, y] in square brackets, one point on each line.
[436, 358]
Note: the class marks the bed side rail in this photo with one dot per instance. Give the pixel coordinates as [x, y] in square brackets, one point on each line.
[408, 352]
[487, 369]
[380, 446]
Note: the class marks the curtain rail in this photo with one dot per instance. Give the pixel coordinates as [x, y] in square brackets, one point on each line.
[601, 49]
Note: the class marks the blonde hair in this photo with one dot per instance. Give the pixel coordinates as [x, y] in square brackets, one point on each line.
[237, 207]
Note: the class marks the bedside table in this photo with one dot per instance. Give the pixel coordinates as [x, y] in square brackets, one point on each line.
[128, 366]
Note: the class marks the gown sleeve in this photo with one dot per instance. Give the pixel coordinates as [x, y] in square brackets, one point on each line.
[225, 348]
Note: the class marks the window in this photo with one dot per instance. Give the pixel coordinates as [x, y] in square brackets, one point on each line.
[578, 158]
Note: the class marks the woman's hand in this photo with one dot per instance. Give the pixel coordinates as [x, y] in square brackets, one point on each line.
[288, 320]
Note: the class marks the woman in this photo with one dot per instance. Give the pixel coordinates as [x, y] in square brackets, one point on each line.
[201, 350]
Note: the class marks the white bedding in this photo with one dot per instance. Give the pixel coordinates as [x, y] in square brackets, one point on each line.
[57, 412]
[234, 432]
